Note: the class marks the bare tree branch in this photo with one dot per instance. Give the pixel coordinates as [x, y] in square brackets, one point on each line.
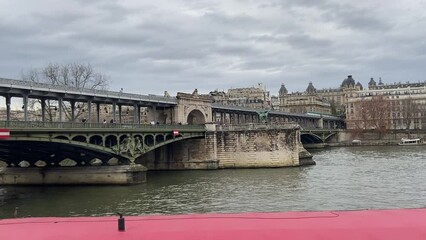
[73, 75]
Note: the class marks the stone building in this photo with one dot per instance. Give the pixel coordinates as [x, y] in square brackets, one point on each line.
[325, 101]
[337, 97]
[404, 106]
[308, 101]
[252, 97]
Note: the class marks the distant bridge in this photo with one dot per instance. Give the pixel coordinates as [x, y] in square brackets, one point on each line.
[319, 136]
[184, 108]
[47, 144]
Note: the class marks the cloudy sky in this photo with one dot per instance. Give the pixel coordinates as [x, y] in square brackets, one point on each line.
[178, 45]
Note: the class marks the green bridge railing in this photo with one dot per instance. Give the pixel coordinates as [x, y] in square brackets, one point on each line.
[78, 125]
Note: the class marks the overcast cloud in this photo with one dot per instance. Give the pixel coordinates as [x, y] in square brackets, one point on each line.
[148, 47]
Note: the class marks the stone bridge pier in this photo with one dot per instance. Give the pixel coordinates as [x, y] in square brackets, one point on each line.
[235, 146]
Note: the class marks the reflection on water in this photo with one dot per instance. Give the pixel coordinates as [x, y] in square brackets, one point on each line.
[344, 178]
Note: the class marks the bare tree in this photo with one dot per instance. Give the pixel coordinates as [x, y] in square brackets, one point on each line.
[73, 75]
[409, 112]
[373, 113]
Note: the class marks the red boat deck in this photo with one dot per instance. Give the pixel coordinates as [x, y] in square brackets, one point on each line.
[349, 225]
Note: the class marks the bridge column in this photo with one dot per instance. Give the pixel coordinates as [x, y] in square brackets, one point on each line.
[119, 113]
[89, 111]
[72, 110]
[98, 112]
[227, 118]
[256, 118]
[25, 102]
[43, 109]
[114, 106]
[7, 108]
[60, 101]
[321, 122]
[137, 115]
[153, 114]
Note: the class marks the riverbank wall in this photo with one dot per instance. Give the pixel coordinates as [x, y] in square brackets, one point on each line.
[373, 138]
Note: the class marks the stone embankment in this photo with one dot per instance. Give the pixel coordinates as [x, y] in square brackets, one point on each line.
[372, 138]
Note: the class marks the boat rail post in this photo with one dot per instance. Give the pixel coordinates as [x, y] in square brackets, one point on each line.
[121, 223]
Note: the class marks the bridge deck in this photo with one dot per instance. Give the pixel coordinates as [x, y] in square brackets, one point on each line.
[350, 225]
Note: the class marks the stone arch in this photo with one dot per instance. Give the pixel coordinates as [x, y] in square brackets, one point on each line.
[196, 117]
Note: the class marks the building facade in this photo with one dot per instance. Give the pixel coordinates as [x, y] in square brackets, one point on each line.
[252, 97]
[337, 97]
[308, 101]
[390, 106]
[324, 101]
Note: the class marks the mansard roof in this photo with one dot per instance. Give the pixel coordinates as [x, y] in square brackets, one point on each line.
[282, 90]
[348, 82]
[311, 88]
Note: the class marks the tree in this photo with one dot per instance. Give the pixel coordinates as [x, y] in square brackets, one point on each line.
[373, 113]
[409, 112]
[73, 75]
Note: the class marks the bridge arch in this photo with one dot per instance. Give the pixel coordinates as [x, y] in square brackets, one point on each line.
[196, 117]
[309, 138]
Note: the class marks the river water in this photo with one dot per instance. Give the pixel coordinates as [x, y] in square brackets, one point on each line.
[344, 178]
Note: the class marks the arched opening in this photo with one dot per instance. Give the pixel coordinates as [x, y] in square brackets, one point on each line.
[159, 138]
[110, 141]
[310, 139]
[196, 117]
[79, 138]
[97, 140]
[149, 140]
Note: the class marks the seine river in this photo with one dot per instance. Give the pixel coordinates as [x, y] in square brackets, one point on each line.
[344, 178]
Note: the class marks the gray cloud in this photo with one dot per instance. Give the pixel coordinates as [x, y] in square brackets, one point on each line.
[178, 45]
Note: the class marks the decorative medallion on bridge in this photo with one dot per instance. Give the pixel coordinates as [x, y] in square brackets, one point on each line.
[263, 116]
[131, 147]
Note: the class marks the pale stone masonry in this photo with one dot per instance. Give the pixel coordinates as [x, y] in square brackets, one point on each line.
[238, 146]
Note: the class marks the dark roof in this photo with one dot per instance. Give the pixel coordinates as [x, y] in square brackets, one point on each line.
[348, 82]
[311, 88]
[283, 90]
